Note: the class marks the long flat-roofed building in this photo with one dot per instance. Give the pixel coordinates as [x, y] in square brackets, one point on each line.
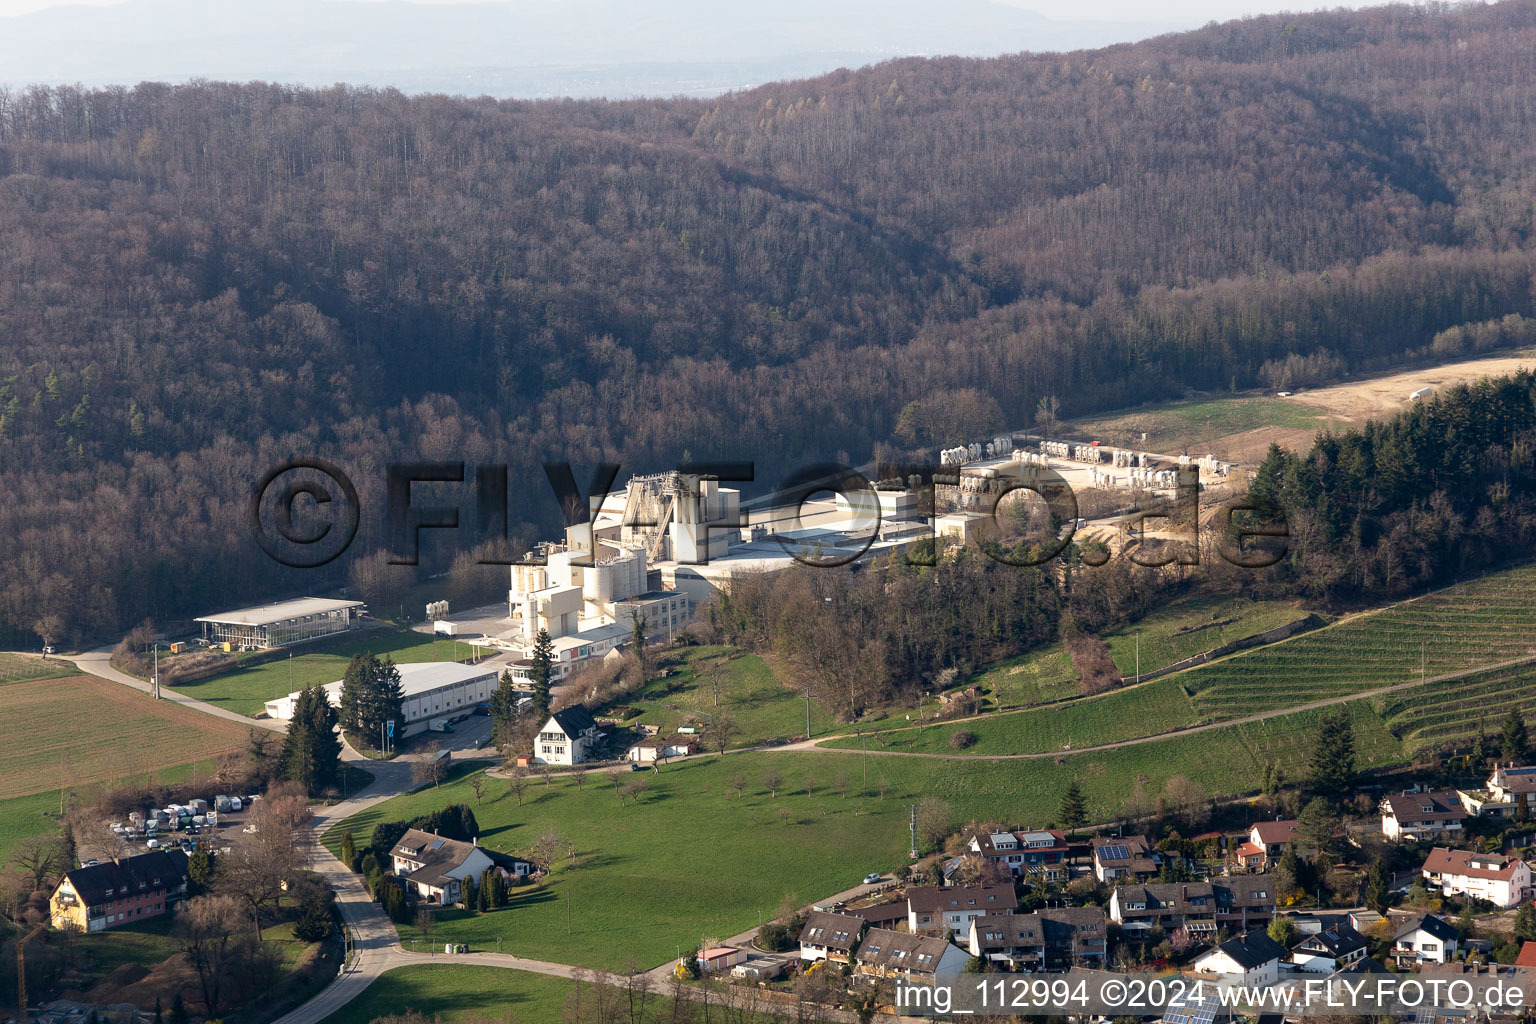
[433, 689]
[287, 622]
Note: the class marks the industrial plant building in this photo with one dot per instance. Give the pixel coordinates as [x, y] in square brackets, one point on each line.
[433, 689]
[286, 622]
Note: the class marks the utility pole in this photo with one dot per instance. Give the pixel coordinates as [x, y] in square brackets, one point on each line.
[807, 712]
[1421, 662]
[157, 673]
[913, 830]
[21, 973]
[1138, 656]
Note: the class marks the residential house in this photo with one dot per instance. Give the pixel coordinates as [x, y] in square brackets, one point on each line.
[1253, 959]
[1128, 857]
[917, 958]
[1424, 939]
[1527, 957]
[119, 892]
[1501, 879]
[1073, 935]
[1037, 852]
[434, 867]
[1237, 903]
[1421, 815]
[939, 910]
[1014, 940]
[1513, 786]
[569, 737]
[828, 936]
[1267, 842]
[1330, 950]
[660, 748]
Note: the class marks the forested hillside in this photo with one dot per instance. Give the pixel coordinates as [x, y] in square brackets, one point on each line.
[198, 281]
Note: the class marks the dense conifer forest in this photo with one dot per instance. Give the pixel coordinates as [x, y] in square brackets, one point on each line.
[198, 281]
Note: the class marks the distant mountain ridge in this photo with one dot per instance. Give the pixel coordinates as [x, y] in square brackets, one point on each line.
[579, 48]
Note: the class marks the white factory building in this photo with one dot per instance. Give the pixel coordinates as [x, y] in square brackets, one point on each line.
[433, 689]
[287, 622]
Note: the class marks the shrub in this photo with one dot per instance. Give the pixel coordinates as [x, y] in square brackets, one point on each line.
[962, 740]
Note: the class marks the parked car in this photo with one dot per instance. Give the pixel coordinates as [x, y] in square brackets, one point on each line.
[872, 878]
[152, 844]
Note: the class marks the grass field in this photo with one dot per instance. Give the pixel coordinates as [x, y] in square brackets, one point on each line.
[690, 817]
[1182, 629]
[1194, 424]
[245, 690]
[91, 730]
[454, 992]
[1158, 706]
[1477, 623]
[17, 668]
[749, 692]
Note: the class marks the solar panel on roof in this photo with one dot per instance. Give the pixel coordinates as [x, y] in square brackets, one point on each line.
[1116, 853]
[437, 844]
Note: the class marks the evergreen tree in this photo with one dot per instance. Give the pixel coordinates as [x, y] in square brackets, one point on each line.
[355, 684]
[199, 871]
[1072, 812]
[1378, 888]
[311, 751]
[1317, 824]
[1514, 744]
[543, 668]
[483, 891]
[1525, 923]
[348, 848]
[1333, 753]
[503, 707]
[179, 1010]
[637, 640]
[159, 1013]
[470, 894]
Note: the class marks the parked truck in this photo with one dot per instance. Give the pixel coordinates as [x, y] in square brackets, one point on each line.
[440, 725]
[442, 627]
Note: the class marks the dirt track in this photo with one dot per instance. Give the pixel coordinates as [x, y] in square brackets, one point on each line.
[1379, 396]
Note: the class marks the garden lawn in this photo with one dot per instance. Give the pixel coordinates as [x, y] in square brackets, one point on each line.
[762, 707]
[641, 868]
[1193, 424]
[454, 992]
[245, 691]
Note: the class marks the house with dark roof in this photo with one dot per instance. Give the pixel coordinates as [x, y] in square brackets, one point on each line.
[917, 958]
[1054, 938]
[1331, 949]
[1421, 815]
[434, 867]
[949, 909]
[1253, 959]
[569, 737]
[1237, 903]
[1127, 857]
[1040, 852]
[119, 892]
[1425, 939]
[828, 936]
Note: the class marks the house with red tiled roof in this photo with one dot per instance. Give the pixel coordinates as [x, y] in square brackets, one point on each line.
[1267, 843]
[1501, 879]
[1527, 957]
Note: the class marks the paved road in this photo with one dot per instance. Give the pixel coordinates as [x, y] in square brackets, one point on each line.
[98, 663]
[811, 745]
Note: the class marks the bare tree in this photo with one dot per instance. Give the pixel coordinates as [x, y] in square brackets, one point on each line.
[580, 778]
[738, 783]
[634, 788]
[934, 820]
[810, 784]
[41, 859]
[431, 766]
[842, 782]
[517, 784]
[715, 677]
[773, 781]
[546, 848]
[425, 919]
[48, 629]
[477, 783]
[547, 773]
[207, 930]
[721, 731]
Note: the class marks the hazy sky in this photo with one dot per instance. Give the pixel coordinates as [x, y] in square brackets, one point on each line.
[1173, 10]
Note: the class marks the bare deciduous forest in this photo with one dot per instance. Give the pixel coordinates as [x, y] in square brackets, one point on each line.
[198, 281]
